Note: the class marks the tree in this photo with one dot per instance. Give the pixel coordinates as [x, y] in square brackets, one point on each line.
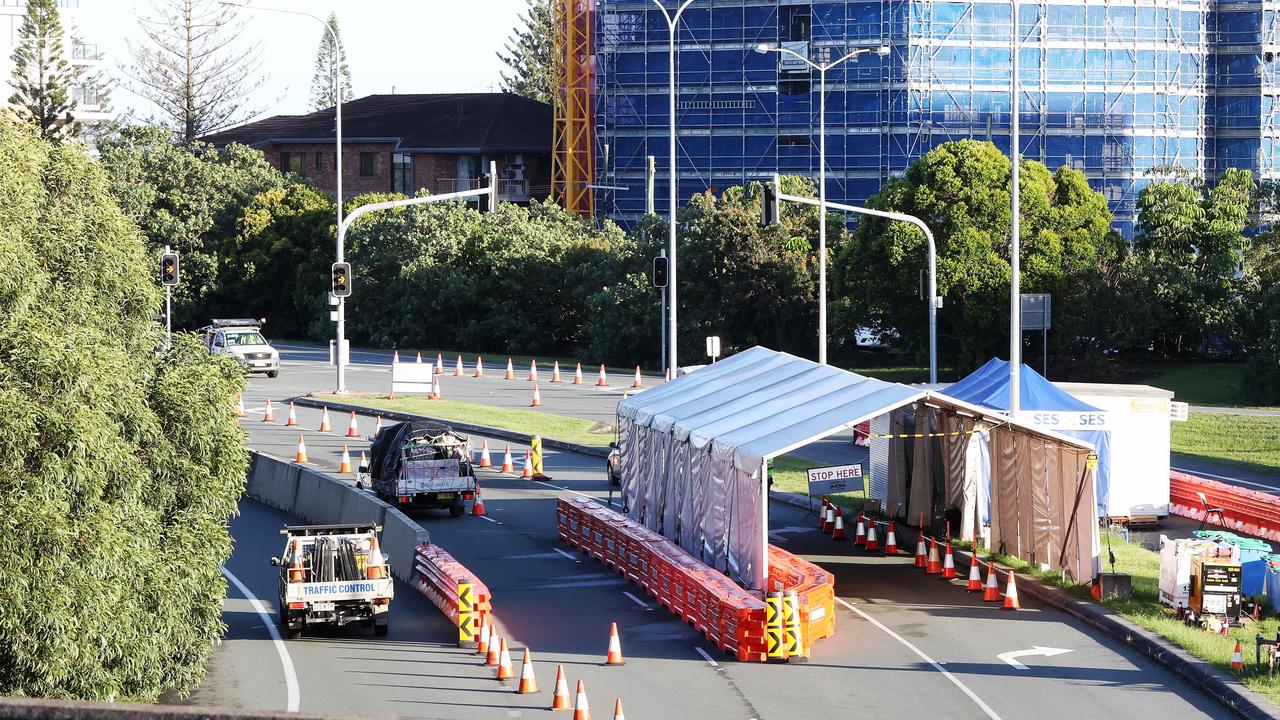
[189, 64]
[332, 53]
[121, 467]
[530, 54]
[42, 77]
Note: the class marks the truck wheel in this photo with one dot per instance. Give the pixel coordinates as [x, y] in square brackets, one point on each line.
[273, 374]
[456, 510]
[290, 633]
[380, 629]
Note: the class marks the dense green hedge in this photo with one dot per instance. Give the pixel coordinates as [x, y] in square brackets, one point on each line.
[118, 469]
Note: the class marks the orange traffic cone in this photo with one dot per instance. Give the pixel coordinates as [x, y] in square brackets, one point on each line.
[617, 710]
[375, 569]
[239, 405]
[302, 451]
[436, 394]
[948, 564]
[934, 566]
[484, 454]
[975, 574]
[873, 542]
[505, 671]
[828, 519]
[268, 416]
[508, 466]
[457, 368]
[920, 551]
[479, 366]
[604, 379]
[555, 372]
[533, 370]
[860, 532]
[666, 375]
[991, 593]
[577, 375]
[495, 647]
[296, 571]
[324, 420]
[395, 357]
[352, 430]
[1011, 594]
[419, 358]
[537, 397]
[891, 541]
[580, 709]
[527, 472]
[615, 647]
[439, 364]
[293, 416]
[482, 645]
[345, 467]
[822, 515]
[638, 382]
[528, 683]
[837, 526]
[511, 371]
[364, 461]
[560, 698]
[1237, 662]
[477, 508]
[377, 426]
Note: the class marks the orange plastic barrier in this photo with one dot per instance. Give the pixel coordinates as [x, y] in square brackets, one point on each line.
[436, 575]
[1248, 511]
[730, 617]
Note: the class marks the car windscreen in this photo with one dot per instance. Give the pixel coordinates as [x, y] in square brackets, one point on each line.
[249, 338]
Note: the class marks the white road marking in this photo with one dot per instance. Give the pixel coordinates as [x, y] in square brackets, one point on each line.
[489, 519]
[568, 555]
[290, 678]
[906, 643]
[1227, 479]
[706, 657]
[1009, 657]
[575, 492]
[637, 600]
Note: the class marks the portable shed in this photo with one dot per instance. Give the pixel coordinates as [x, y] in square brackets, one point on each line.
[693, 455]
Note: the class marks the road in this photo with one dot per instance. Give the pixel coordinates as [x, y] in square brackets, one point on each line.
[906, 644]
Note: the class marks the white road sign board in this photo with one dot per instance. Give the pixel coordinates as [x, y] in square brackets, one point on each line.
[836, 479]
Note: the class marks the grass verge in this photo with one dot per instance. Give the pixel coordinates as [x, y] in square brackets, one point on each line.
[791, 474]
[1249, 441]
[1199, 383]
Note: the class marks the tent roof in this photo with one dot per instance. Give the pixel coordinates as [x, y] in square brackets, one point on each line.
[761, 403]
[988, 386]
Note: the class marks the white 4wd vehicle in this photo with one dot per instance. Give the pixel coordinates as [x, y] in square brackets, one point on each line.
[242, 339]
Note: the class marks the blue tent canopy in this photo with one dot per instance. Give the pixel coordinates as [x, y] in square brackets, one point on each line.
[988, 387]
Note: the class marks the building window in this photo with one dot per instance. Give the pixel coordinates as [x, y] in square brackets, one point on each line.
[320, 161]
[368, 164]
[292, 162]
[402, 173]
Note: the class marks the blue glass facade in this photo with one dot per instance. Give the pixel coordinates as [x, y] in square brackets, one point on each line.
[1120, 89]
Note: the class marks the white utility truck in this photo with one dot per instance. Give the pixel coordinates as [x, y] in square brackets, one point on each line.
[333, 575]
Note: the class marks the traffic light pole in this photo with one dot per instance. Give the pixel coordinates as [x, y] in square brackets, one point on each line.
[491, 191]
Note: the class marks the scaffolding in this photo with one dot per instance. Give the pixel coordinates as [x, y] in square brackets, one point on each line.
[573, 158]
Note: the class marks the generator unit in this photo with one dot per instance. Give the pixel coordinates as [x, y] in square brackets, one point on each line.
[1215, 587]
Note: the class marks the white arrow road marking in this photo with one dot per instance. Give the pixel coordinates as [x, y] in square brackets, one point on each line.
[286, 662]
[1035, 650]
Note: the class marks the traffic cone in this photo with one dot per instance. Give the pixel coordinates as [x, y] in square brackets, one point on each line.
[860, 532]
[666, 375]
[495, 647]
[377, 426]
[345, 467]
[508, 467]
[457, 368]
[239, 405]
[604, 379]
[511, 371]
[482, 645]
[364, 461]
[577, 375]
[873, 542]
[439, 364]
[555, 372]
[477, 508]
[528, 683]
[891, 541]
[920, 551]
[527, 472]
[638, 382]
[948, 564]
[293, 416]
[991, 593]
[1011, 594]
[505, 671]
[324, 421]
[479, 366]
[352, 430]
[533, 370]
[395, 357]
[296, 571]
[268, 416]
[822, 515]
[419, 358]
[828, 520]
[435, 388]
[615, 647]
[617, 710]
[1237, 661]
[302, 451]
[837, 527]
[580, 709]
[375, 569]
[935, 563]
[484, 454]
[537, 397]
[975, 574]
[560, 697]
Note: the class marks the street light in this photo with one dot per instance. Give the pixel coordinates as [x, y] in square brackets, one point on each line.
[882, 51]
[671, 234]
[337, 112]
[1015, 272]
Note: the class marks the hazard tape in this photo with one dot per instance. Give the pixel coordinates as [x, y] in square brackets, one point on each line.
[878, 436]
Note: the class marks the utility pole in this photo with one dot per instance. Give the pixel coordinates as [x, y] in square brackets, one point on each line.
[1015, 285]
[672, 20]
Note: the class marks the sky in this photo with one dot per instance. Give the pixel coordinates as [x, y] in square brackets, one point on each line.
[413, 46]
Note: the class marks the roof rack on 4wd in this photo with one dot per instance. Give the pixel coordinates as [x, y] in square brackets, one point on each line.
[238, 322]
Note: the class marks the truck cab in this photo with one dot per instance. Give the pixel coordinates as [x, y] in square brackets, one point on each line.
[242, 339]
[333, 575]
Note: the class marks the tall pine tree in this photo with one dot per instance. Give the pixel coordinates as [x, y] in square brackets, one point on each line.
[324, 94]
[530, 54]
[42, 77]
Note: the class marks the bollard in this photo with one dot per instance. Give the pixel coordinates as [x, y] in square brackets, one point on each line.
[536, 445]
[775, 631]
[791, 619]
[466, 616]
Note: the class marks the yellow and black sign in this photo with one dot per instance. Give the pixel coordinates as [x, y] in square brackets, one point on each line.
[536, 454]
[791, 622]
[466, 614]
[1091, 461]
[775, 632]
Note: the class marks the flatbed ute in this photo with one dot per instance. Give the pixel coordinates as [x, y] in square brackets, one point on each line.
[333, 575]
[420, 465]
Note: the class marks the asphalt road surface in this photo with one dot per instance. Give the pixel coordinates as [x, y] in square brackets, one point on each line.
[906, 645]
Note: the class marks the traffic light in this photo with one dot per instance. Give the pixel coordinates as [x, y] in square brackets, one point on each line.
[660, 271]
[169, 269]
[770, 206]
[342, 279]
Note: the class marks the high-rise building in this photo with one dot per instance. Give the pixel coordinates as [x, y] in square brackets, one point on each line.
[1121, 89]
[89, 91]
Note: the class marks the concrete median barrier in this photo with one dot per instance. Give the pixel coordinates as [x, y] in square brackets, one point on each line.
[359, 506]
[404, 535]
[320, 498]
[272, 482]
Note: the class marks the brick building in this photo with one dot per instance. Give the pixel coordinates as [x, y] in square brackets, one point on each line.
[404, 143]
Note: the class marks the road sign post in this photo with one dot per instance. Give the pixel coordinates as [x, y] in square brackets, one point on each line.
[713, 347]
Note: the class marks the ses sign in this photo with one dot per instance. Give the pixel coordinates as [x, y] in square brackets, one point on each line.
[836, 479]
[1066, 419]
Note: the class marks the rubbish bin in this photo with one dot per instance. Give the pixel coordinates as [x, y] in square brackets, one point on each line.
[1273, 582]
[1253, 564]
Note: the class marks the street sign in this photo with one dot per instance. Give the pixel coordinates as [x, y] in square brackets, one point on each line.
[1037, 311]
[713, 347]
[836, 479]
